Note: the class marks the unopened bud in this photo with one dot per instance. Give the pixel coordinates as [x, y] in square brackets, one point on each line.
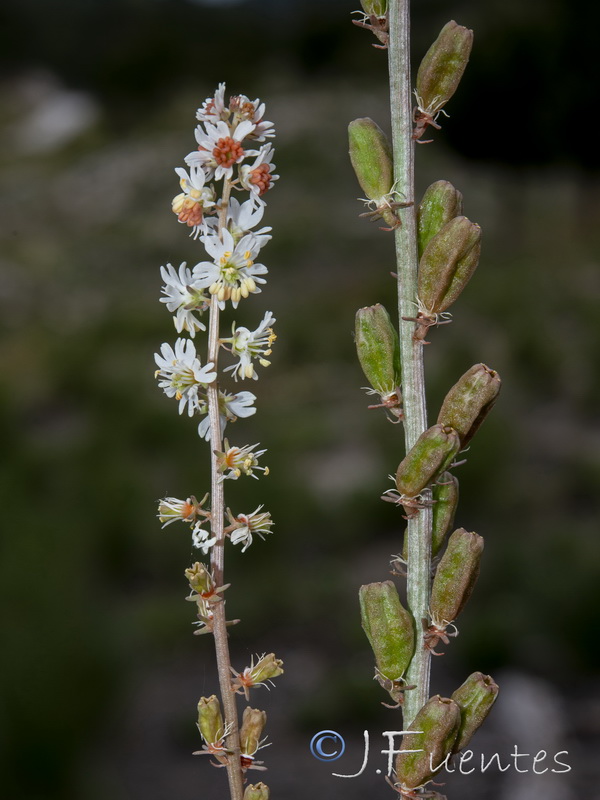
[447, 264]
[389, 628]
[443, 66]
[455, 576]
[210, 719]
[475, 699]
[377, 7]
[441, 203]
[377, 348]
[470, 400]
[257, 791]
[371, 157]
[438, 722]
[200, 579]
[430, 455]
[253, 723]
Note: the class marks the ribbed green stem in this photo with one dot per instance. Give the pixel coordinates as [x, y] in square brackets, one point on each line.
[413, 379]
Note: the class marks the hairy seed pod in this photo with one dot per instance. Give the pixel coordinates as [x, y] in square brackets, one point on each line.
[444, 496]
[470, 400]
[377, 348]
[447, 264]
[257, 791]
[455, 576]
[210, 719]
[443, 66]
[475, 699]
[439, 721]
[371, 157]
[430, 455]
[253, 723]
[376, 7]
[441, 203]
[389, 628]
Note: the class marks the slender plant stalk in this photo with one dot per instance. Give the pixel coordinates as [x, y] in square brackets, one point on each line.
[413, 380]
[234, 772]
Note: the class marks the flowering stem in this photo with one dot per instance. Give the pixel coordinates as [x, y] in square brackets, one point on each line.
[234, 772]
[413, 381]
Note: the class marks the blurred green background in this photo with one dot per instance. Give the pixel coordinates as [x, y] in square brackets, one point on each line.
[100, 673]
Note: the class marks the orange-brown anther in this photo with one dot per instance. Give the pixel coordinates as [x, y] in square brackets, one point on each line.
[190, 212]
[227, 151]
[261, 177]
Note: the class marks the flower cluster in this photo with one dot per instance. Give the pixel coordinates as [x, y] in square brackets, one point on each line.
[221, 200]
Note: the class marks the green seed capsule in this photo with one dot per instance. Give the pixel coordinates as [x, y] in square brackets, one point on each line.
[443, 66]
[455, 576]
[389, 628]
[210, 719]
[199, 578]
[439, 721]
[371, 157]
[470, 400]
[444, 496]
[257, 791]
[447, 264]
[376, 7]
[253, 723]
[475, 699]
[377, 348]
[441, 203]
[431, 454]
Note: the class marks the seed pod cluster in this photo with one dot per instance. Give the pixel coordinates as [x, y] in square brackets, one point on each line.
[441, 203]
[257, 791]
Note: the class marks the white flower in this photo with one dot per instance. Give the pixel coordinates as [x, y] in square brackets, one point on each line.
[182, 374]
[201, 538]
[257, 177]
[232, 274]
[254, 111]
[246, 345]
[172, 509]
[237, 461]
[241, 218]
[231, 406]
[195, 197]
[249, 524]
[219, 148]
[213, 108]
[183, 299]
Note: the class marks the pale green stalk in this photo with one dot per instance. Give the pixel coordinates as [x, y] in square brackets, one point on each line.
[413, 381]
[234, 772]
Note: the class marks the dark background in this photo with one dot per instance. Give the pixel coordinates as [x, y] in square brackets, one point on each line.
[100, 674]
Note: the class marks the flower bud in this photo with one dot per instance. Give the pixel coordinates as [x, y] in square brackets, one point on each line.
[253, 723]
[257, 791]
[377, 7]
[447, 264]
[431, 454]
[442, 67]
[475, 699]
[210, 719]
[455, 576]
[438, 721]
[441, 203]
[371, 157]
[389, 628]
[200, 579]
[444, 494]
[377, 348]
[470, 400]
